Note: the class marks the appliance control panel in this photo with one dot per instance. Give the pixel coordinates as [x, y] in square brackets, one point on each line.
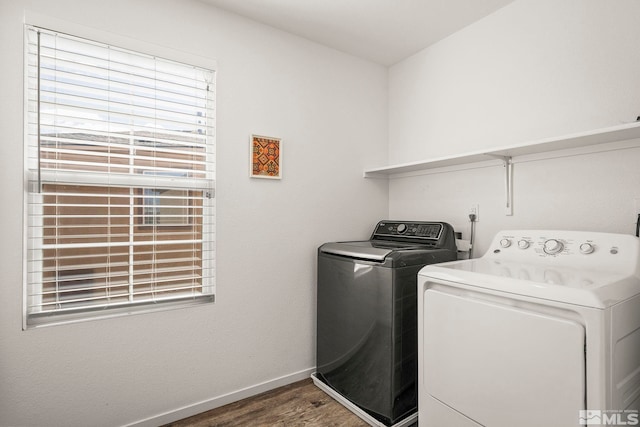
[570, 248]
[414, 230]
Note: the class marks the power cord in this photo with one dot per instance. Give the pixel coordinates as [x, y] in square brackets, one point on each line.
[638, 226]
[472, 218]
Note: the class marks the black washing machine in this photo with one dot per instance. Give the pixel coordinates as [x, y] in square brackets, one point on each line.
[367, 315]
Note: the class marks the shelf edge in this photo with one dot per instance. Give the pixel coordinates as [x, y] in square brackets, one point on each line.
[583, 139]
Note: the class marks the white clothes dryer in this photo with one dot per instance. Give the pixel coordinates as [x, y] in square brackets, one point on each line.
[543, 330]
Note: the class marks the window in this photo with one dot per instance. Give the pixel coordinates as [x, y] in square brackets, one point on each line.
[120, 180]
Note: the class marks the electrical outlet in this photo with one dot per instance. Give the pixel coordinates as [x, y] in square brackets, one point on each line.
[475, 210]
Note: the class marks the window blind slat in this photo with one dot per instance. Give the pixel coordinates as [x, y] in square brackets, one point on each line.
[58, 157]
[55, 60]
[104, 57]
[115, 300]
[126, 180]
[105, 87]
[90, 259]
[76, 105]
[121, 163]
[97, 133]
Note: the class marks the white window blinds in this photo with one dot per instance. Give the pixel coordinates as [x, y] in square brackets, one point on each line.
[120, 164]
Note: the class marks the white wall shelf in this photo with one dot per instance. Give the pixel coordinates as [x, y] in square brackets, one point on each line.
[577, 140]
[592, 139]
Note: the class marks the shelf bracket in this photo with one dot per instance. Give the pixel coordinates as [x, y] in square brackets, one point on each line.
[508, 181]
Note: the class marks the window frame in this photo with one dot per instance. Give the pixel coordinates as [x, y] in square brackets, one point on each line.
[133, 45]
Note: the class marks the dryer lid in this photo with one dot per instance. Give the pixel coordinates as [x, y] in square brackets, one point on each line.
[586, 288]
[581, 268]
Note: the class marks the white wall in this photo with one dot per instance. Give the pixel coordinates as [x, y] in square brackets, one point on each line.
[533, 69]
[329, 109]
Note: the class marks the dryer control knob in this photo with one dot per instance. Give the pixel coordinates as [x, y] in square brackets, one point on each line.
[401, 228]
[587, 248]
[553, 246]
[523, 244]
[505, 243]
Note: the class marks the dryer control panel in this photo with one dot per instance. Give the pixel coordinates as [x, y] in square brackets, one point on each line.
[592, 250]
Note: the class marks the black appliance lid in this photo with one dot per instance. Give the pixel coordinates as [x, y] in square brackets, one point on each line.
[376, 250]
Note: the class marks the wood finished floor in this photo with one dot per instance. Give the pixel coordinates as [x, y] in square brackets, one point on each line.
[297, 404]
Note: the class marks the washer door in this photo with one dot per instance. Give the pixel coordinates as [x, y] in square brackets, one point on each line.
[501, 365]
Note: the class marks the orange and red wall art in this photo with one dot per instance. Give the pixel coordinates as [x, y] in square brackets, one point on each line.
[266, 157]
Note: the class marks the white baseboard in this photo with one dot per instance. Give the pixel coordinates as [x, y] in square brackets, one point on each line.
[216, 402]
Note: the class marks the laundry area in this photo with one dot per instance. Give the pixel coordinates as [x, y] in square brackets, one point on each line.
[422, 213]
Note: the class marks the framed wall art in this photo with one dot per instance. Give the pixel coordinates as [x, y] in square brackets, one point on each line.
[265, 157]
